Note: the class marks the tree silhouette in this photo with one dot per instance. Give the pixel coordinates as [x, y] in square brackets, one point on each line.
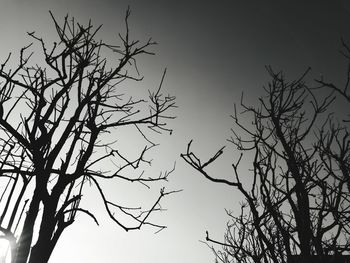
[296, 191]
[55, 125]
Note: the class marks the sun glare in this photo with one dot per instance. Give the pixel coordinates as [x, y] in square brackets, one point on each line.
[4, 251]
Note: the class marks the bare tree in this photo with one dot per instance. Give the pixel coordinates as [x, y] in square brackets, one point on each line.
[55, 121]
[296, 197]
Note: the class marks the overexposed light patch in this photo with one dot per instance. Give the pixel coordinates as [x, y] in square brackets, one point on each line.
[5, 253]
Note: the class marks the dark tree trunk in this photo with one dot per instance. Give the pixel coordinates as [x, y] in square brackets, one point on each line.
[22, 249]
[43, 248]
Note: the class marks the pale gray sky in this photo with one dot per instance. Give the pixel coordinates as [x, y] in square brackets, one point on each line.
[214, 51]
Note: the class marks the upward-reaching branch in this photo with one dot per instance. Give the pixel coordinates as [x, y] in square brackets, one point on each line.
[54, 118]
[296, 197]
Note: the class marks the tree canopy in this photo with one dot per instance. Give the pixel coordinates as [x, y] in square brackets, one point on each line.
[57, 120]
[296, 188]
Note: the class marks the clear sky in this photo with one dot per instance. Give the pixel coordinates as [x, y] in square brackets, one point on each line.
[213, 51]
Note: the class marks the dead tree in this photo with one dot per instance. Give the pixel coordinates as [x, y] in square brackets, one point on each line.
[296, 191]
[55, 121]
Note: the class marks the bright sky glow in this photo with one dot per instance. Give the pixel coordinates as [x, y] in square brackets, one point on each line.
[213, 53]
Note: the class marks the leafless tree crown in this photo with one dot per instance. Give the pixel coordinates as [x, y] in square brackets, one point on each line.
[56, 125]
[296, 198]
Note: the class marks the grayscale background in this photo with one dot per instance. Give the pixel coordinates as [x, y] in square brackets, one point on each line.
[213, 51]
